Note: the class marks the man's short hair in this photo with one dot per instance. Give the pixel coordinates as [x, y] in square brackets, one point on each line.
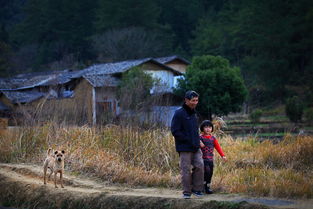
[191, 94]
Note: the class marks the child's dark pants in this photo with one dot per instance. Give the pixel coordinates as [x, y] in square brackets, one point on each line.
[208, 170]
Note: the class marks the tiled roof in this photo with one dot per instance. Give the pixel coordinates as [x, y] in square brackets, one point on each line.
[23, 83]
[115, 67]
[101, 80]
[31, 80]
[62, 78]
[165, 60]
[23, 96]
[120, 67]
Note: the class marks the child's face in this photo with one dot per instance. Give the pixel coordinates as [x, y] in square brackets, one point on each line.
[207, 130]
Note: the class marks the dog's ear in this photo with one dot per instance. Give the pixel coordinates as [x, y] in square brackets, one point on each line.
[56, 152]
[63, 152]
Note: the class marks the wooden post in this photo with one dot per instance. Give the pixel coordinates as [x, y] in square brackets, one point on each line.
[94, 116]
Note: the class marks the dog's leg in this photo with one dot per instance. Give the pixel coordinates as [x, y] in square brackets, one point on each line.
[61, 179]
[45, 167]
[51, 171]
[44, 174]
[55, 180]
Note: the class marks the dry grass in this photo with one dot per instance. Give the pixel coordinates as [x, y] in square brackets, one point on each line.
[266, 169]
[116, 154]
[148, 158]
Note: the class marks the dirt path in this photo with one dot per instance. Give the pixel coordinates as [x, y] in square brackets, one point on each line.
[31, 176]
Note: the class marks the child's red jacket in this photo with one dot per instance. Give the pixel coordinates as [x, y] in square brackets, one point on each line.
[210, 143]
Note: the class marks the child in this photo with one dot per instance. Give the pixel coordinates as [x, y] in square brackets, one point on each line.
[207, 144]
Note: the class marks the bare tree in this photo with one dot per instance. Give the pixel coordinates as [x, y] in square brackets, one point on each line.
[128, 43]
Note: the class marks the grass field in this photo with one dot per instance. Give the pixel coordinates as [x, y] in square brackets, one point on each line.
[148, 158]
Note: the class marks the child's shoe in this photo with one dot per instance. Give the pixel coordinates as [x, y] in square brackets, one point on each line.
[207, 189]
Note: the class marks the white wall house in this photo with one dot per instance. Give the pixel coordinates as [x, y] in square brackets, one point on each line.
[97, 85]
[165, 80]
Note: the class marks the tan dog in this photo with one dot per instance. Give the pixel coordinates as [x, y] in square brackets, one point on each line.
[55, 162]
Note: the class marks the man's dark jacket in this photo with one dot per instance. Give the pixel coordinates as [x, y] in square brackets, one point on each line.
[184, 128]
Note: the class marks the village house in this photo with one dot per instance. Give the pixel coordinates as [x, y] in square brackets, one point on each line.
[175, 62]
[87, 95]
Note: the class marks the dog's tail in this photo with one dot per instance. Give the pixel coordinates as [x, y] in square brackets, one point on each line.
[49, 151]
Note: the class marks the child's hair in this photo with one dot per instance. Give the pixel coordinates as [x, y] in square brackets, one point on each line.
[206, 123]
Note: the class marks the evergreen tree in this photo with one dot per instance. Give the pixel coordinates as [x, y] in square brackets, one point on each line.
[220, 86]
[32, 27]
[181, 16]
[126, 13]
[270, 40]
[60, 27]
[5, 52]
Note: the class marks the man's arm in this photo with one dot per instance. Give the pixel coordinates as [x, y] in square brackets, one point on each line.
[176, 128]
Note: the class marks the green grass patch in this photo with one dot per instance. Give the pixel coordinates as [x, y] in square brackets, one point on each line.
[270, 134]
[279, 118]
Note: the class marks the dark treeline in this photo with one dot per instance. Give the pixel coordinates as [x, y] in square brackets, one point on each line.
[271, 41]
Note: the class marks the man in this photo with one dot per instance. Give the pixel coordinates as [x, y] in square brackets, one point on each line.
[184, 128]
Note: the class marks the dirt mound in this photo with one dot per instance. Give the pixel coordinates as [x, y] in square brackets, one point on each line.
[22, 187]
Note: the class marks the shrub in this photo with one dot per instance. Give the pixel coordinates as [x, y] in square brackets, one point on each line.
[294, 109]
[308, 114]
[256, 115]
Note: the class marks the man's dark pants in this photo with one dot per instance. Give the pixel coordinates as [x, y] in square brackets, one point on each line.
[192, 169]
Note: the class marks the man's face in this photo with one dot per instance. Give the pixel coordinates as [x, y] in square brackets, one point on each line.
[192, 103]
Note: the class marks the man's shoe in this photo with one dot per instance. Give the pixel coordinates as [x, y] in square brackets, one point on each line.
[186, 196]
[197, 193]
